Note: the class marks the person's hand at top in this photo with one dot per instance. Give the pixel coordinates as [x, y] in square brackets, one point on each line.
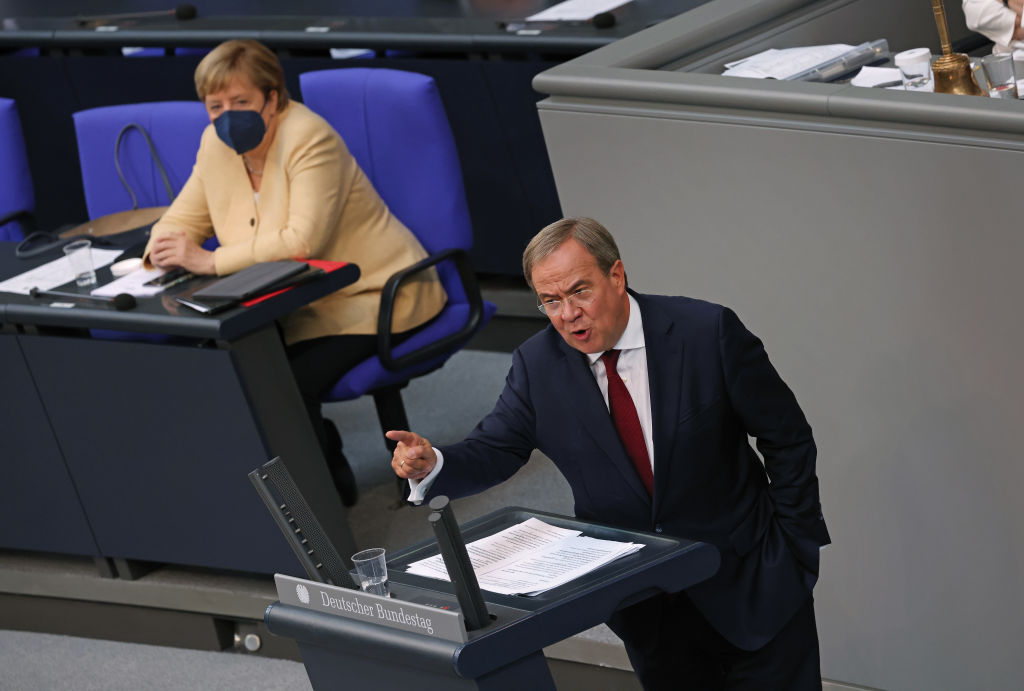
[414, 457]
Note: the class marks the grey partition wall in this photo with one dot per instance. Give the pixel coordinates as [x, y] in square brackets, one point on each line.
[871, 238]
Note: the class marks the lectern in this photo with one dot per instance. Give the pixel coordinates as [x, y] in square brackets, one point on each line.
[398, 650]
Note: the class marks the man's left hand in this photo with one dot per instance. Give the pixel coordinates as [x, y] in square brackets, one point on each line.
[175, 249]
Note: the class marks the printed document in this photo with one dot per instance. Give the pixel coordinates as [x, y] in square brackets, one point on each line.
[55, 273]
[133, 284]
[575, 10]
[784, 63]
[530, 558]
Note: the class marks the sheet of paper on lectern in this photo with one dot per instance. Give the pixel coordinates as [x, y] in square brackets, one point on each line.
[530, 558]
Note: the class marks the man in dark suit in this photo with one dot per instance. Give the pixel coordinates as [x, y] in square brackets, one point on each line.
[646, 405]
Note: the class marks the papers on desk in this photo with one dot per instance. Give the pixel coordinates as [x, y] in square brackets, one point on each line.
[530, 558]
[575, 10]
[878, 76]
[784, 63]
[55, 273]
[133, 284]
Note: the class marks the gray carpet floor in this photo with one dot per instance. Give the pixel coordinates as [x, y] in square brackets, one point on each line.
[45, 662]
[444, 407]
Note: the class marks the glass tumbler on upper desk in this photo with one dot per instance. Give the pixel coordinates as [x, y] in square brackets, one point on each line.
[1002, 80]
[915, 68]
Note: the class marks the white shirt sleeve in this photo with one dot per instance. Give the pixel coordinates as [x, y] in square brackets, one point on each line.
[991, 19]
[418, 488]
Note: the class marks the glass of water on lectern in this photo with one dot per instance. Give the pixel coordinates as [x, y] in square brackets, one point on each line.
[372, 571]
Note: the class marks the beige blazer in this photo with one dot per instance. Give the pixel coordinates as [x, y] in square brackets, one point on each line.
[314, 203]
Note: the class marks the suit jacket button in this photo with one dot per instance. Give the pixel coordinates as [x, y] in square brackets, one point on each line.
[658, 528]
[252, 221]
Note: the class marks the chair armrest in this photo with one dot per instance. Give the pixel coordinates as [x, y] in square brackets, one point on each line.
[387, 306]
[25, 217]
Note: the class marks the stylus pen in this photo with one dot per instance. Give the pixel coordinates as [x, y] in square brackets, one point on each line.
[180, 279]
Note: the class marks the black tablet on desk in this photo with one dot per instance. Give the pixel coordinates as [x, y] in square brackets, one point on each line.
[251, 281]
[212, 298]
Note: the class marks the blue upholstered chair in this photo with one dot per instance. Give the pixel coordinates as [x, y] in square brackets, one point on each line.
[395, 125]
[17, 201]
[175, 128]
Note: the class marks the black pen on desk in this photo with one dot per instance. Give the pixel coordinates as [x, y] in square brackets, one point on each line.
[886, 85]
[188, 276]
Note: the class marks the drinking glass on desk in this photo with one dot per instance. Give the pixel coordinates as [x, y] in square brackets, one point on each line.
[1002, 80]
[916, 68]
[79, 254]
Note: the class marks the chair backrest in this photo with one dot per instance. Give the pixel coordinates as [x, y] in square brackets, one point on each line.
[395, 125]
[175, 128]
[16, 192]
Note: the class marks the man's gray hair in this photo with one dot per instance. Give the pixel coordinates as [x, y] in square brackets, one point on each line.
[594, 237]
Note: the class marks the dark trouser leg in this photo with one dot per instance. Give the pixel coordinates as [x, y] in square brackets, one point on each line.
[788, 661]
[672, 646]
[317, 365]
[660, 635]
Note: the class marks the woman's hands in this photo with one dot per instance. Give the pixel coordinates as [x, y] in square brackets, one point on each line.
[175, 249]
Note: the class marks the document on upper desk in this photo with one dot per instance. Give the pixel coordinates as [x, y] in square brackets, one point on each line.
[55, 273]
[530, 558]
[575, 10]
[777, 63]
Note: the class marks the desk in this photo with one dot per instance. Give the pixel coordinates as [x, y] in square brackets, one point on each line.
[483, 73]
[140, 451]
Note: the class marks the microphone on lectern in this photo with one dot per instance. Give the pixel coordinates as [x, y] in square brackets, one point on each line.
[181, 12]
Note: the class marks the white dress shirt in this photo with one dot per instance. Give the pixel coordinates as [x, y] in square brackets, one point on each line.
[632, 368]
[994, 21]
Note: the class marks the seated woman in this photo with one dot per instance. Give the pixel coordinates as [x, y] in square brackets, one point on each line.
[997, 21]
[273, 180]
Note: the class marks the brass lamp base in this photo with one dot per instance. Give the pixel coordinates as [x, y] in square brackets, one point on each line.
[953, 76]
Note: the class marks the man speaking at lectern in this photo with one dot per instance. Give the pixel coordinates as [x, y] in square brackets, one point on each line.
[645, 404]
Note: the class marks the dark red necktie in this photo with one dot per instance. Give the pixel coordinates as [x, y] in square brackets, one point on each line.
[627, 422]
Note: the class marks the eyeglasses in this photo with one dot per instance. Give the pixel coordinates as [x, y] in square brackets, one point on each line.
[553, 308]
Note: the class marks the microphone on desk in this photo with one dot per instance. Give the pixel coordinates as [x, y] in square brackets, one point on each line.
[121, 301]
[180, 12]
[603, 20]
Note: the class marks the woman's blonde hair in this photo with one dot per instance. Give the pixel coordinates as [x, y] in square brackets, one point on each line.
[251, 58]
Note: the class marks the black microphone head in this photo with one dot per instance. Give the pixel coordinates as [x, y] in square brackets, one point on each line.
[185, 12]
[603, 20]
[124, 301]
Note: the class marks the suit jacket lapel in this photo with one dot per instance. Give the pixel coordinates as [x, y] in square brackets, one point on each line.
[586, 401]
[664, 343]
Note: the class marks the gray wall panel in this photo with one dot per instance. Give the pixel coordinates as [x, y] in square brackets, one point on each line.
[888, 299]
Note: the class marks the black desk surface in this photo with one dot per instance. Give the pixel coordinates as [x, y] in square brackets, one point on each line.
[158, 314]
[473, 25]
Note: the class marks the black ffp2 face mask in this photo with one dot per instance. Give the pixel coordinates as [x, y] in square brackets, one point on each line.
[242, 130]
